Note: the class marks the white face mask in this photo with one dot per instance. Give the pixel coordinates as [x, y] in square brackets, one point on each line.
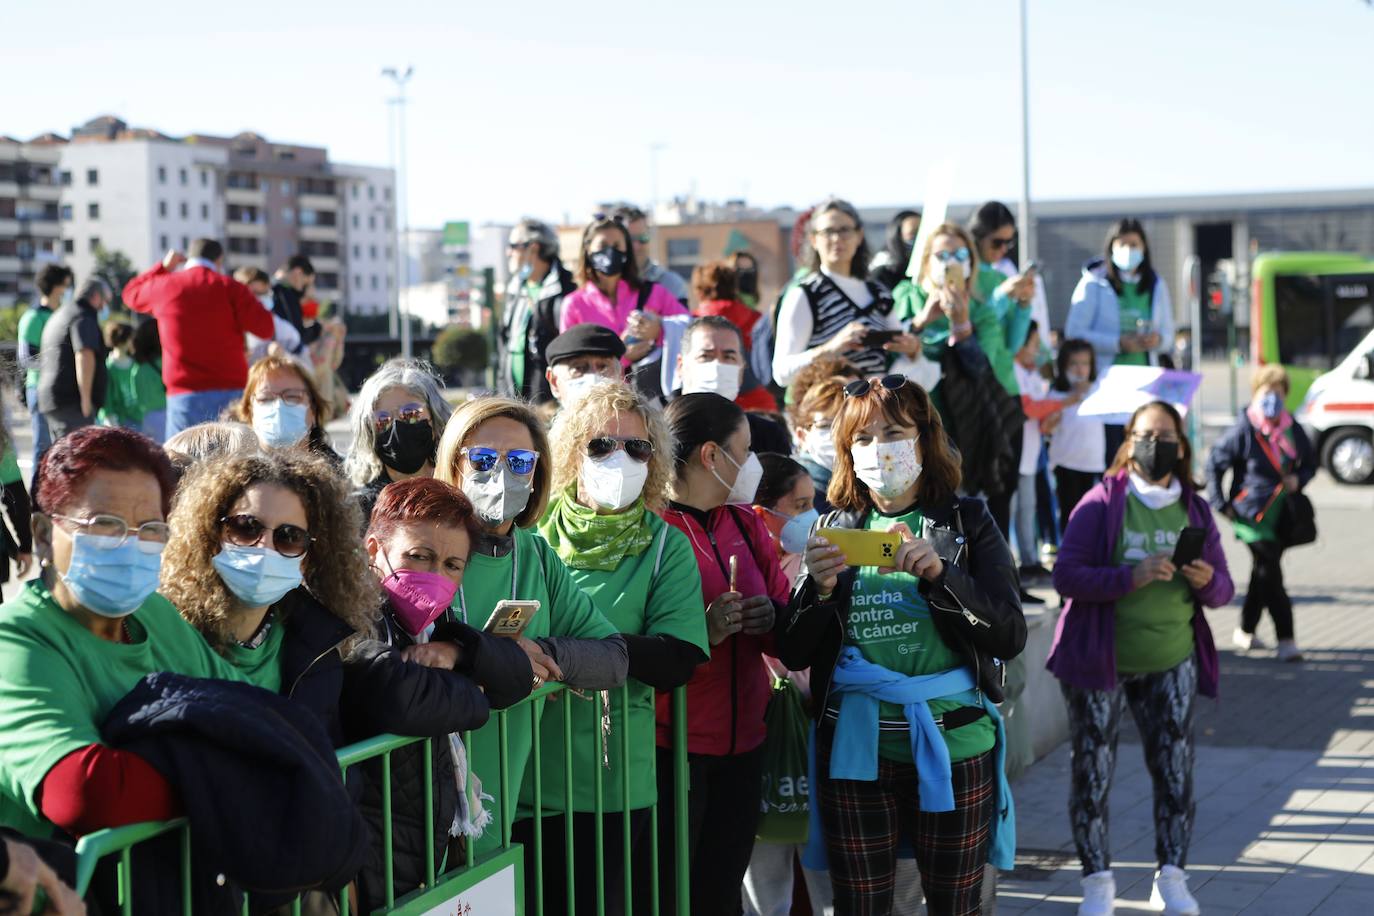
[498, 495]
[936, 273]
[615, 481]
[820, 446]
[713, 377]
[747, 479]
[888, 468]
[572, 390]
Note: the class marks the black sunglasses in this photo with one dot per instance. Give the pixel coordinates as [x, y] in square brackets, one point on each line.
[246, 531]
[640, 450]
[860, 387]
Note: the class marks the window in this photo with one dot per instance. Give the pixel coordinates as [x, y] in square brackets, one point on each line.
[66, 211]
[264, 185]
[388, 222]
[92, 177]
[185, 242]
[357, 249]
[358, 281]
[386, 193]
[287, 215]
[388, 253]
[355, 192]
[372, 222]
[286, 187]
[372, 252]
[162, 208]
[185, 210]
[93, 211]
[355, 221]
[69, 246]
[94, 242]
[163, 243]
[372, 192]
[374, 281]
[204, 178]
[683, 249]
[185, 177]
[67, 178]
[162, 174]
[204, 211]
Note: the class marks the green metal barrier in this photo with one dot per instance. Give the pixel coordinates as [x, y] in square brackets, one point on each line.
[452, 877]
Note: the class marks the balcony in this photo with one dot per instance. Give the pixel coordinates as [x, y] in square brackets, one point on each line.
[318, 201]
[245, 230]
[46, 193]
[39, 227]
[325, 263]
[248, 197]
[319, 233]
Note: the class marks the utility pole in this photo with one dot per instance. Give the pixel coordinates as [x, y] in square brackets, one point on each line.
[1026, 249]
[402, 210]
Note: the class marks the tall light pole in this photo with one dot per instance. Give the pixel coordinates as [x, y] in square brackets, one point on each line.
[1027, 246]
[402, 210]
[654, 150]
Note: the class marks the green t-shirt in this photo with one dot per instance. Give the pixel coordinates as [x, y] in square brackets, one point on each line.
[261, 666]
[1154, 624]
[9, 467]
[149, 393]
[31, 332]
[890, 624]
[1135, 307]
[564, 610]
[637, 602]
[59, 681]
[119, 408]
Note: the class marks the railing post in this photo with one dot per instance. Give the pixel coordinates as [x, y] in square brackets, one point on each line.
[682, 864]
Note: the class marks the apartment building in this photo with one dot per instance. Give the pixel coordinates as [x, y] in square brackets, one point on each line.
[369, 234]
[30, 203]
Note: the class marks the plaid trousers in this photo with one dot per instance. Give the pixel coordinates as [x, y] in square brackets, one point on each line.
[863, 822]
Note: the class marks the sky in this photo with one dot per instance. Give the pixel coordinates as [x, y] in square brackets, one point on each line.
[531, 107]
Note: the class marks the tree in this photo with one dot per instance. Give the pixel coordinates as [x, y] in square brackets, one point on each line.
[457, 348]
[115, 268]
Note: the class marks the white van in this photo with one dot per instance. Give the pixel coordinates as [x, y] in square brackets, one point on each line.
[1338, 413]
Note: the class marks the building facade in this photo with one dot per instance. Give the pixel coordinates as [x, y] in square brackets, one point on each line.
[30, 207]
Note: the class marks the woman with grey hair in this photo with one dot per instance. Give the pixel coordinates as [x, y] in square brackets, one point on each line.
[396, 421]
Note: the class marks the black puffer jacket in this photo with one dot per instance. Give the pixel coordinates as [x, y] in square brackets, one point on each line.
[976, 603]
[425, 702]
[982, 420]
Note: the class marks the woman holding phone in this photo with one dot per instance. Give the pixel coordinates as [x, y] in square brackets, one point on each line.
[743, 589]
[1133, 634]
[906, 662]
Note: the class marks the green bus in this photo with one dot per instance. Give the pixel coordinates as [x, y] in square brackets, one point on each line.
[1308, 309]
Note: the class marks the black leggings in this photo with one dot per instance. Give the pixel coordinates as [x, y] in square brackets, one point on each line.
[1266, 590]
[1071, 486]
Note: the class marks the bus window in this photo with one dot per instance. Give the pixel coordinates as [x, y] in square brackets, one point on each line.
[1300, 322]
[1352, 305]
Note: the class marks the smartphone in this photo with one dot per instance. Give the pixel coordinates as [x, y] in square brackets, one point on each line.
[1032, 267]
[510, 618]
[864, 548]
[876, 339]
[954, 277]
[1189, 546]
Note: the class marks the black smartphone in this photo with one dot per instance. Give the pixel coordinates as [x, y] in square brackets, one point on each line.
[875, 338]
[1189, 546]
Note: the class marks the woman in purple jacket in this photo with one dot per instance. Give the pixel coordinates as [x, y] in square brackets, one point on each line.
[1133, 633]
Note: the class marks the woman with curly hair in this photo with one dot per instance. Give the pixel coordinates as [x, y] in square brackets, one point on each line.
[612, 462]
[285, 408]
[265, 562]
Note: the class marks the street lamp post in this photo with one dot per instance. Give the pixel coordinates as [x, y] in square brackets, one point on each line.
[402, 210]
[1027, 247]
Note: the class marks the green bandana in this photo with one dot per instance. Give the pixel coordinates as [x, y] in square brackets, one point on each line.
[584, 540]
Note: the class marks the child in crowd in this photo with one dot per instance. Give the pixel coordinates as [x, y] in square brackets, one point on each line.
[146, 388]
[1038, 405]
[119, 408]
[1077, 444]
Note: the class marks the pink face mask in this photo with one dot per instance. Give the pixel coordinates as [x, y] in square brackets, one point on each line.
[418, 598]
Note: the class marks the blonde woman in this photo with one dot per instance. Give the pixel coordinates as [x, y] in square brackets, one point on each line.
[496, 451]
[612, 462]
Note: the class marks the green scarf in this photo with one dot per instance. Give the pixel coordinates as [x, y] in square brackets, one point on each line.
[584, 540]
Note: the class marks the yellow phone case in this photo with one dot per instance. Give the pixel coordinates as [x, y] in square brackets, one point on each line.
[864, 548]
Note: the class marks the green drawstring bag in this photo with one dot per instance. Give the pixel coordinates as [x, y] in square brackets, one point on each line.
[786, 794]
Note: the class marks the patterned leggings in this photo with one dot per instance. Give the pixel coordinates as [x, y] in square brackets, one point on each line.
[1162, 706]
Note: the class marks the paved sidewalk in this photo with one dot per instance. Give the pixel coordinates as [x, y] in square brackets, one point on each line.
[1285, 763]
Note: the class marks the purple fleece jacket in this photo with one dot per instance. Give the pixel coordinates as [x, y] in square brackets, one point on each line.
[1084, 651]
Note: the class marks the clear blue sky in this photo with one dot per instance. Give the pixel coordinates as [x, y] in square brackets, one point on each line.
[544, 106]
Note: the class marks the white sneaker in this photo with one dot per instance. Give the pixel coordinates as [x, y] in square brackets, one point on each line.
[1170, 895]
[1099, 894]
[1247, 642]
[1288, 651]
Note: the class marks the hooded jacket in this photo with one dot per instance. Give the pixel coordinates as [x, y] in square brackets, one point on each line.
[1085, 574]
[727, 696]
[1254, 481]
[975, 603]
[1095, 315]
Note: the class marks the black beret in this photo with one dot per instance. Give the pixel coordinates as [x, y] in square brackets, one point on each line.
[584, 340]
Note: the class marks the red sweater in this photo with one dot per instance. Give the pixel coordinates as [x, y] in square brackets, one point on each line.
[98, 787]
[201, 317]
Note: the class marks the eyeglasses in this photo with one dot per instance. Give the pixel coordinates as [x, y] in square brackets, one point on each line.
[118, 530]
[1141, 437]
[247, 531]
[521, 461]
[601, 447]
[407, 413]
[297, 397]
[861, 387]
[518, 246]
[959, 254]
[999, 244]
[843, 233]
[643, 238]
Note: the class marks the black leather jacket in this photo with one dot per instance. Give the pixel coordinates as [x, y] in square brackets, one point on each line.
[976, 602]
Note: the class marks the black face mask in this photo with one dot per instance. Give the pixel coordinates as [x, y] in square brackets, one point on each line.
[1155, 457]
[406, 447]
[747, 282]
[609, 262]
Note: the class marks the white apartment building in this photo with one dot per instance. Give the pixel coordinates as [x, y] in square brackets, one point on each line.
[30, 234]
[369, 237]
[139, 197]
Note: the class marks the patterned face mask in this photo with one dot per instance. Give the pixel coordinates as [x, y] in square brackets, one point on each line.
[888, 468]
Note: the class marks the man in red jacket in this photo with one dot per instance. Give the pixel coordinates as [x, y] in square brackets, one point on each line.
[202, 315]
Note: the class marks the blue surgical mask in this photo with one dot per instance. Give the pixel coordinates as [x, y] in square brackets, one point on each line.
[103, 314]
[1127, 257]
[524, 272]
[1271, 405]
[257, 576]
[109, 578]
[279, 424]
[796, 531]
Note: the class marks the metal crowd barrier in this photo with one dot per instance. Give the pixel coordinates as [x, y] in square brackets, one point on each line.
[453, 879]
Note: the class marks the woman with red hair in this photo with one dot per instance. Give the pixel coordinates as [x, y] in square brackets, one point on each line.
[77, 639]
[716, 286]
